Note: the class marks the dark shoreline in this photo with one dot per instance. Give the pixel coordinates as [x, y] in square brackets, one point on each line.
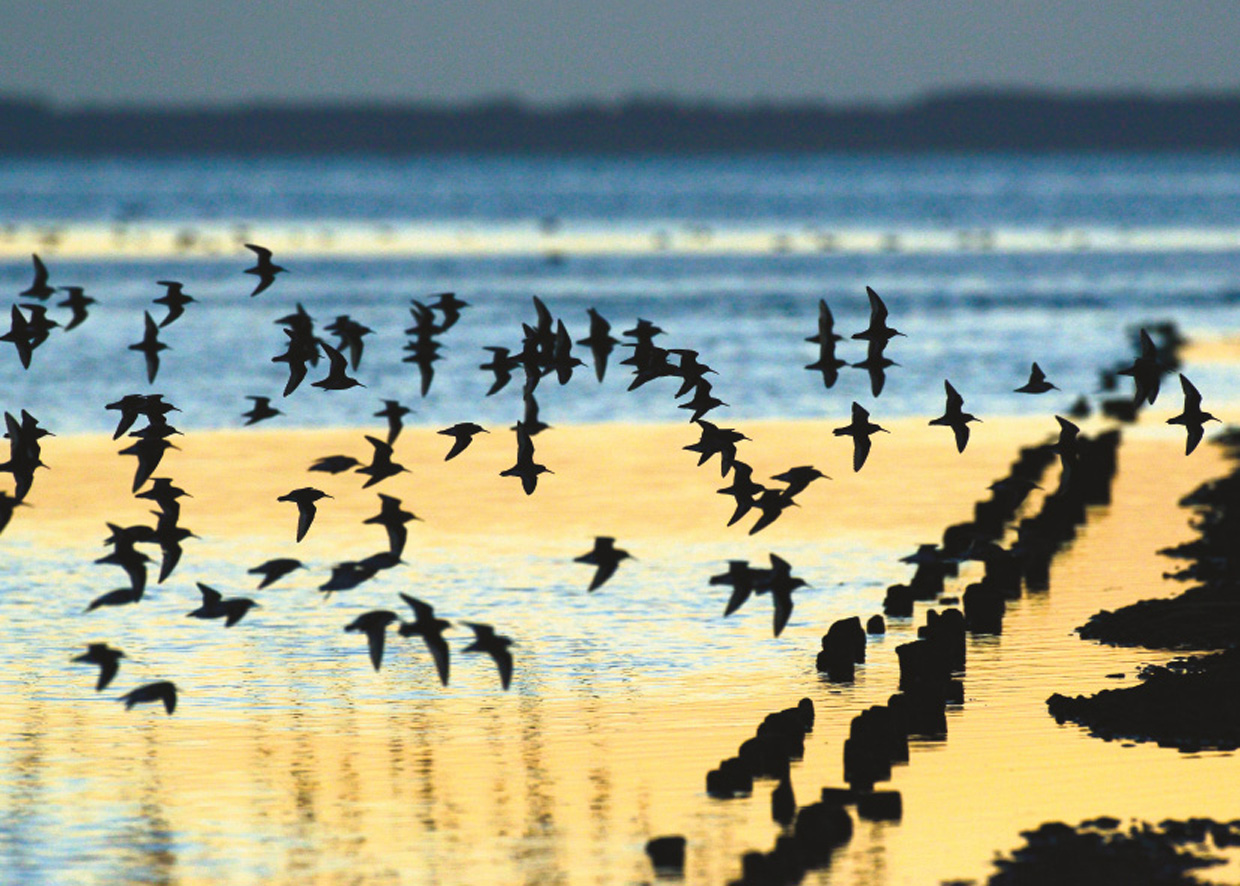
[956, 122]
[1193, 703]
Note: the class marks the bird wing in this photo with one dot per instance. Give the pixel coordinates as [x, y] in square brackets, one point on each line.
[1192, 397]
[210, 596]
[422, 611]
[439, 652]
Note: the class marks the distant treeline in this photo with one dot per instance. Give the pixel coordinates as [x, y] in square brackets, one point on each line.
[959, 122]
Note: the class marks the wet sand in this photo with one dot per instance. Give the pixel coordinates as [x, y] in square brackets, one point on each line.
[492, 788]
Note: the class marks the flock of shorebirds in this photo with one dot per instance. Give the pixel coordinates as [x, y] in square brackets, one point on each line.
[545, 350]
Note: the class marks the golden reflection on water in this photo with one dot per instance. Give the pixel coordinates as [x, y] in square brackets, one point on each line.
[290, 761]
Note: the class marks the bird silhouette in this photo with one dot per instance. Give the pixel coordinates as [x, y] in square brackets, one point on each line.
[394, 413]
[494, 645]
[261, 410]
[702, 401]
[381, 465]
[797, 479]
[1037, 383]
[334, 464]
[264, 269]
[118, 597]
[108, 660]
[392, 517]
[150, 346]
[744, 490]
[374, 625]
[525, 468]
[562, 359]
[304, 498]
[38, 288]
[128, 557]
[149, 450]
[20, 336]
[827, 363]
[1146, 371]
[430, 629]
[273, 570]
[878, 333]
[214, 605]
[502, 364]
[780, 583]
[301, 353]
[719, 441]
[1193, 418]
[134, 406]
[600, 341]
[352, 573]
[955, 417]
[1067, 447]
[450, 306]
[463, 434]
[164, 691]
[860, 429]
[351, 335]
[741, 579]
[606, 557]
[174, 299]
[876, 365]
[771, 503]
[337, 378]
[169, 535]
[77, 302]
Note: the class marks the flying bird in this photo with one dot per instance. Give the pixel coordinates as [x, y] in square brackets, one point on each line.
[878, 333]
[525, 468]
[955, 417]
[501, 365]
[606, 557]
[108, 660]
[827, 363]
[150, 346]
[337, 378]
[381, 465]
[450, 306]
[261, 410]
[463, 434]
[1193, 418]
[600, 341]
[374, 625]
[394, 412]
[430, 629]
[494, 645]
[719, 441]
[77, 302]
[741, 579]
[780, 583]
[214, 605]
[264, 269]
[1037, 383]
[744, 490]
[334, 464]
[274, 570]
[304, 498]
[39, 288]
[860, 429]
[174, 299]
[798, 478]
[392, 517]
[1146, 371]
[164, 690]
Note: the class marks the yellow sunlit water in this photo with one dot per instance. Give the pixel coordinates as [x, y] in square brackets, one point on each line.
[289, 760]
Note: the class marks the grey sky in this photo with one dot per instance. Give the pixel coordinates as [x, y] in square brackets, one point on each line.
[196, 51]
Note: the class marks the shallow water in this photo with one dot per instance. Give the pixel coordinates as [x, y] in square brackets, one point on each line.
[290, 760]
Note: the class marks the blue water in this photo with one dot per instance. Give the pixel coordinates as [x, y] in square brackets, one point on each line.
[974, 312]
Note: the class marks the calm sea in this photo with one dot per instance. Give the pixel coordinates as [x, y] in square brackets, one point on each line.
[987, 264]
[288, 763]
